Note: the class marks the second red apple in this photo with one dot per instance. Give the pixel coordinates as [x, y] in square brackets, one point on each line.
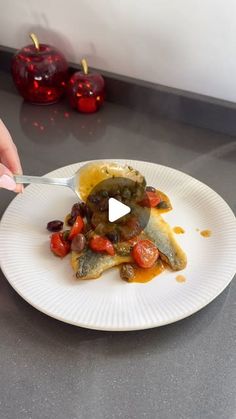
[86, 90]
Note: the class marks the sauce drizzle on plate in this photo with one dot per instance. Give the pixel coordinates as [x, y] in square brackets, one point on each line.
[206, 233]
[180, 278]
[178, 230]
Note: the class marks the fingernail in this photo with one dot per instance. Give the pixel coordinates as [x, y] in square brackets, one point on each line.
[7, 182]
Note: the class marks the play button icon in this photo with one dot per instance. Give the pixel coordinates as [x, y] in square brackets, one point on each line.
[116, 210]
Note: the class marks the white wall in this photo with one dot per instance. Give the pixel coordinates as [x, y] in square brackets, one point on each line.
[188, 44]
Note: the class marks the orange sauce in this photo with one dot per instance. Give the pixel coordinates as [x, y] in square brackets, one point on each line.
[178, 230]
[145, 275]
[180, 278]
[206, 233]
[90, 177]
[165, 198]
[94, 173]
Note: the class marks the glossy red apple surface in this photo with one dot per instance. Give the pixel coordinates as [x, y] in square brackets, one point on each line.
[86, 90]
[40, 73]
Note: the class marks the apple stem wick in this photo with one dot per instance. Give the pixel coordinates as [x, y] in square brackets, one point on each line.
[35, 41]
[84, 65]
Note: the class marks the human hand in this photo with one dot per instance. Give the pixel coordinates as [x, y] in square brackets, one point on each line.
[9, 161]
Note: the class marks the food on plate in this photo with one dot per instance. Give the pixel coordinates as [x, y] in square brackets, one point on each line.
[55, 225]
[160, 233]
[77, 227]
[59, 246]
[90, 265]
[141, 243]
[159, 242]
[145, 253]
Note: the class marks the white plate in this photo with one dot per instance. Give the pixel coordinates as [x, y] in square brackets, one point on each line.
[109, 303]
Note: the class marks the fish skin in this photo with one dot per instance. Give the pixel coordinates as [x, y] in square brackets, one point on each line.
[90, 265]
[160, 233]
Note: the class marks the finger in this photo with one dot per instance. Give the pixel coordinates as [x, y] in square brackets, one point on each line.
[6, 157]
[8, 150]
[9, 157]
[9, 154]
[6, 179]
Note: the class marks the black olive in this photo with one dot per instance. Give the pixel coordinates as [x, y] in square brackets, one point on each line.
[71, 221]
[85, 211]
[113, 236]
[150, 189]
[75, 210]
[55, 225]
[94, 199]
[82, 208]
[127, 272]
[103, 205]
[78, 243]
[163, 205]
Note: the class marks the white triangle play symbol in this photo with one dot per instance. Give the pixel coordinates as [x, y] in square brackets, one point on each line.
[116, 210]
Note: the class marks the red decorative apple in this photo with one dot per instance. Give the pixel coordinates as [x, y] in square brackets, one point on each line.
[86, 90]
[40, 73]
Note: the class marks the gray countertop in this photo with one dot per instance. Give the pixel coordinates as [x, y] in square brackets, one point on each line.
[53, 370]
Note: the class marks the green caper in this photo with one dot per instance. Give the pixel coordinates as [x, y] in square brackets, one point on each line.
[104, 193]
[126, 193]
[127, 272]
[163, 205]
[123, 249]
[66, 234]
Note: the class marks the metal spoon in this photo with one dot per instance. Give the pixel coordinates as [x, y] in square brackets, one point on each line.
[74, 181]
[70, 182]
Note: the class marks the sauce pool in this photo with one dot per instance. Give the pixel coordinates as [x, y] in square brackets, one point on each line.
[205, 233]
[180, 278]
[145, 275]
[178, 230]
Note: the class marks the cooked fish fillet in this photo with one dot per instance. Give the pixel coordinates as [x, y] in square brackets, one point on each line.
[159, 231]
[90, 265]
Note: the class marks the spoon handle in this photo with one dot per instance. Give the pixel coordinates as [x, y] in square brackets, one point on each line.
[39, 179]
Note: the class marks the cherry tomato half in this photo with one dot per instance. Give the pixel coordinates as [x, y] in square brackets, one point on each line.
[77, 227]
[102, 244]
[145, 253]
[59, 246]
[151, 200]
